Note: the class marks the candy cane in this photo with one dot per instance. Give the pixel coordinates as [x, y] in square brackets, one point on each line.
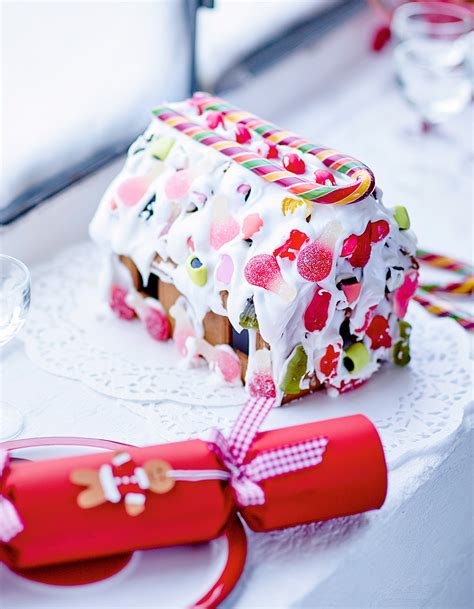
[443, 309]
[269, 171]
[444, 262]
[456, 288]
[364, 181]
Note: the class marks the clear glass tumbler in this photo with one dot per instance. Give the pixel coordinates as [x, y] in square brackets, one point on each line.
[433, 58]
[14, 305]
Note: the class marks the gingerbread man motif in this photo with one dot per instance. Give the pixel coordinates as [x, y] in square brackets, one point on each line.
[122, 479]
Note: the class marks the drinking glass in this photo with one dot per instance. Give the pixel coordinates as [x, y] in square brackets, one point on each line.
[14, 305]
[432, 58]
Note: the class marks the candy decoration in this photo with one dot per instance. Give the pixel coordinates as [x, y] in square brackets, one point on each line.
[132, 190]
[245, 190]
[196, 270]
[317, 312]
[378, 332]
[349, 246]
[177, 185]
[330, 360]
[221, 359]
[444, 262]
[456, 288]
[292, 245]
[441, 308]
[224, 227]
[401, 349]
[295, 370]
[248, 317]
[315, 260]
[152, 314]
[356, 357]
[379, 230]
[251, 225]
[260, 379]
[242, 134]
[294, 163]
[263, 271]
[289, 206]
[225, 270]
[351, 288]
[183, 328]
[323, 176]
[401, 217]
[214, 119]
[272, 152]
[161, 147]
[118, 303]
[361, 254]
[363, 180]
[402, 296]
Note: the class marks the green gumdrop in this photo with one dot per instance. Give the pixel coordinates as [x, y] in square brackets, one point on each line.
[356, 357]
[295, 370]
[248, 318]
[196, 270]
[401, 217]
[160, 148]
[404, 329]
[401, 353]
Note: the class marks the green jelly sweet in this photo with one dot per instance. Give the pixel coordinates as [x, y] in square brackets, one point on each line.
[401, 349]
[248, 318]
[401, 217]
[295, 370]
[196, 270]
[404, 329]
[356, 357]
[160, 148]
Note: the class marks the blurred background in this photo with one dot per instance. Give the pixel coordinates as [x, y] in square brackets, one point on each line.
[389, 84]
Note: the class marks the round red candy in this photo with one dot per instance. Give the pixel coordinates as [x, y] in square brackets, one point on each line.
[242, 134]
[294, 163]
[323, 176]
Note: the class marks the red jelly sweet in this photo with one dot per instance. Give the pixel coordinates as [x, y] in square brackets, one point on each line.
[379, 230]
[242, 134]
[294, 163]
[261, 385]
[362, 252]
[349, 246]
[378, 333]
[292, 245]
[272, 152]
[118, 304]
[329, 361]
[324, 177]
[157, 324]
[315, 261]
[316, 314]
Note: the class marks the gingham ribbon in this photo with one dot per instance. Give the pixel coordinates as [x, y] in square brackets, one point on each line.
[245, 478]
[10, 523]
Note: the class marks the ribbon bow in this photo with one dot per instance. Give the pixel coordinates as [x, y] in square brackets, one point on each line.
[245, 478]
[10, 523]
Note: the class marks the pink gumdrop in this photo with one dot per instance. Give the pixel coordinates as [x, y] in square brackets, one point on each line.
[251, 225]
[317, 312]
[402, 296]
[178, 184]
[242, 134]
[223, 231]
[244, 190]
[118, 304]
[180, 336]
[379, 230]
[157, 324]
[264, 272]
[323, 176]
[261, 385]
[132, 190]
[294, 163]
[225, 270]
[228, 364]
[315, 261]
[214, 119]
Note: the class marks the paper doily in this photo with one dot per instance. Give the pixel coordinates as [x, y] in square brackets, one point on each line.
[414, 408]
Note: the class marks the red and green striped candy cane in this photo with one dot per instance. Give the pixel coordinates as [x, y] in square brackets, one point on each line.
[363, 178]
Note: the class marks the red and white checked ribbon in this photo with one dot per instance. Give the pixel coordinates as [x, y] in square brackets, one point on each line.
[10, 523]
[245, 477]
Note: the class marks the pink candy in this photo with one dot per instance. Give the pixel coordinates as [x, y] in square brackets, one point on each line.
[315, 261]
[157, 324]
[324, 177]
[228, 364]
[251, 225]
[263, 271]
[177, 186]
[261, 385]
[242, 134]
[214, 119]
[294, 163]
[118, 304]
[224, 227]
[132, 190]
[402, 296]
[225, 270]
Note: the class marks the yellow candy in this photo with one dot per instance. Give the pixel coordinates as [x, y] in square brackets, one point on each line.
[401, 217]
[160, 148]
[289, 205]
[196, 270]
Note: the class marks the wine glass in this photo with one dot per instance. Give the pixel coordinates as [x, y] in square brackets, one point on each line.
[14, 305]
[432, 58]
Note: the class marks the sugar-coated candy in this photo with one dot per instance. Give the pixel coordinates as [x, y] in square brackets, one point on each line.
[157, 324]
[261, 385]
[117, 303]
[224, 227]
[292, 245]
[242, 134]
[401, 297]
[324, 177]
[251, 225]
[225, 270]
[351, 288]
[294, 163]
[161, 147]
[263, 271]
[132, 190]
[315, 261]
[330, 360]
[401, 217]
[177, 185]
[214, 119]
[295, 371]
[378, 332]
[379, 230]
[316, 314]
[356, 357]
[197, 271]
[401, 349]
[248, 317]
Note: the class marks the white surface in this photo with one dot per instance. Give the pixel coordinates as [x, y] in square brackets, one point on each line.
[417, 551]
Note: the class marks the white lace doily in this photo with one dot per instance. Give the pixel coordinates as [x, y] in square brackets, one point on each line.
[414, 408]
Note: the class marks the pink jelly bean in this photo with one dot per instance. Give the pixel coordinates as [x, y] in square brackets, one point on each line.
[177, 186]
[157, 324]
[132, 190]
[118, 303]
[378, 333]
[261, 385]
[294, 163]
[263, 271]
[402, 296]
[315, 261]
[228, 364]
[242, 134]
[251, 225]
[214, 119]
[324, 177]
[317, 312]
[225, 270]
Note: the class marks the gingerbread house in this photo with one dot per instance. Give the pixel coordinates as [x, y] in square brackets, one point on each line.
[269, 258]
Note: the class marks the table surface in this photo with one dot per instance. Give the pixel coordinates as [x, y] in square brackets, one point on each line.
[415, 552]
